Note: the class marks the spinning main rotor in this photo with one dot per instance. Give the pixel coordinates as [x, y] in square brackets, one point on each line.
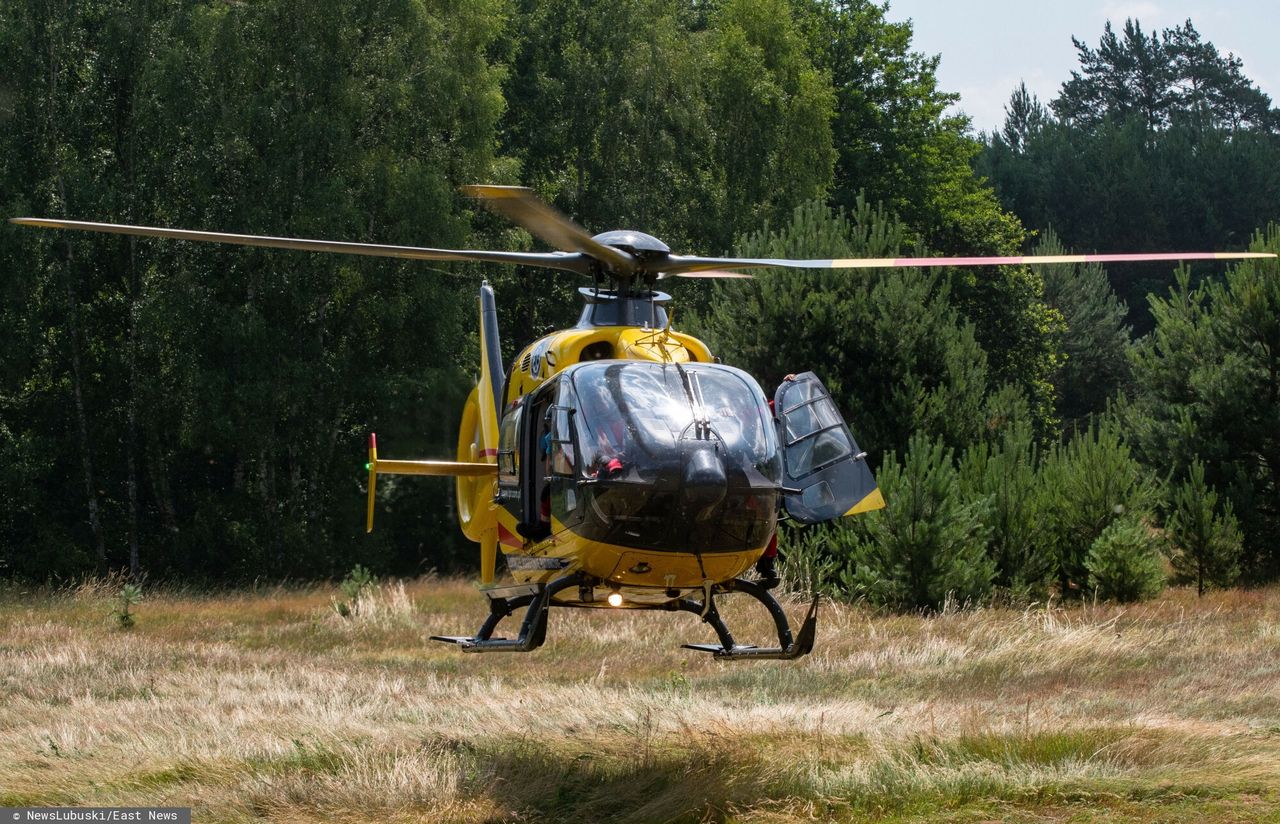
[622, 256]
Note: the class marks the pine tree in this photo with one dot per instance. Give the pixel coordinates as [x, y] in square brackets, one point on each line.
[1123, 562]
[892, 349]
[1090, 482]
[928, 546]
[1095, 341]
[1207, 389]
[1005, 473]
[1205, 540]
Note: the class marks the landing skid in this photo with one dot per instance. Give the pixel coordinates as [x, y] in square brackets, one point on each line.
[504, 601]
[729, 649]
[537, 599]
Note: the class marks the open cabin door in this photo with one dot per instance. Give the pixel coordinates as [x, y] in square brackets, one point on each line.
[825, 475]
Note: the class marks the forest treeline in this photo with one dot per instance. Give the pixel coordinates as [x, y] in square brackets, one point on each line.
[200, 413]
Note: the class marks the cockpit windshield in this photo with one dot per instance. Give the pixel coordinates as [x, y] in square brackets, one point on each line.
[638, 417]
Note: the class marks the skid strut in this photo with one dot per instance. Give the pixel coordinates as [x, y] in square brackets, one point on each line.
[729, 649]
[503, 602]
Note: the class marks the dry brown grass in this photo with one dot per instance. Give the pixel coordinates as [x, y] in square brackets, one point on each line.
[271, 706]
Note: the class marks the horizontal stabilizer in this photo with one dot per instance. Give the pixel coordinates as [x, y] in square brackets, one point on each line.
[451, 469]
[443, 468]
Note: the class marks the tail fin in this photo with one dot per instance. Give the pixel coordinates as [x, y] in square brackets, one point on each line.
[372, 466]
[478, 440]
[489, 398]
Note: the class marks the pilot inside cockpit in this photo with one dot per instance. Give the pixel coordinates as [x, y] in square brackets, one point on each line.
[604, 434]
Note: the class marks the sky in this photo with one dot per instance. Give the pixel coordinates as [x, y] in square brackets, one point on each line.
[988, 46]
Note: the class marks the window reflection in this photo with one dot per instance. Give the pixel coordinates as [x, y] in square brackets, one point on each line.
[815, 432]
[636, 414]
[635, 424]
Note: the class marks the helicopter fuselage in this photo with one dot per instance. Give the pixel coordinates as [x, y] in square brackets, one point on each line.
[626, 454]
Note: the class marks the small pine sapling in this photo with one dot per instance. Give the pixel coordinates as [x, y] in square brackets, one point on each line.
[1205, 541]
[130, 595]
[1124, 562]
[357, 582]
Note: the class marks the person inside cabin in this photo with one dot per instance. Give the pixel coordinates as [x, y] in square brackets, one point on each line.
[541, 528]
[560, 445]
[555, 458]
[545, 446]
[606, 453]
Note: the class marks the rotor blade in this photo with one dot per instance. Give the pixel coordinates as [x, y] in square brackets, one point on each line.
[680, 264]
[520, 205]
[706, 273]
[555, 260]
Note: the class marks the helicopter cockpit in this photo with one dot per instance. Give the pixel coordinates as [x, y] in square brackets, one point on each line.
[663, 456]
[645, 455]
[637, 419]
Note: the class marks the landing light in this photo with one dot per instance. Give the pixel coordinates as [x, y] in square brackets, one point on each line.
[615, 599]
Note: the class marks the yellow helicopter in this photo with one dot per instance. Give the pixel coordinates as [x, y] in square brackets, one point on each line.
[619, 464]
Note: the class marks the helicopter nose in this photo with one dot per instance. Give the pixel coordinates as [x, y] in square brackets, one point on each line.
[704, 482]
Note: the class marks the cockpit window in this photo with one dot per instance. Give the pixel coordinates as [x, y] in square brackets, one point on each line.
[815, 432]
[636, 416]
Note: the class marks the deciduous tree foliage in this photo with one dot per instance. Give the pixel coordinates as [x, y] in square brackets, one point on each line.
[607, 113]
[214, 401]
[692, 122]
[899, 146]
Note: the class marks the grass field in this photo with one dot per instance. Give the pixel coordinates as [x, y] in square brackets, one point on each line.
[269, 705]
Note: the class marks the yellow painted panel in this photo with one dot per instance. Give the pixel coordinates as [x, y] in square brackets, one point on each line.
[872, 501]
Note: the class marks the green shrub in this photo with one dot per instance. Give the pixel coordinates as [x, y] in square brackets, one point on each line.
[1204, 544]
[1087, 484]
[928, 545]
[1124, 562]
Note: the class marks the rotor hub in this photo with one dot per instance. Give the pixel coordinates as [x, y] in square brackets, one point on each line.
[649, 251]
[629, 240]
